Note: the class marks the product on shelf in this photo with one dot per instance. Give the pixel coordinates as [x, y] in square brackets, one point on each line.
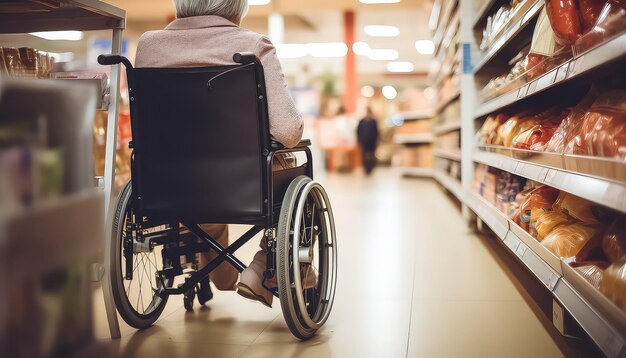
[614, 240]
[581, 209]
[601, 21]
[543, 46]
[565, 19]
[603, 129]
[540, 198]
[592, 272]
[489, 130]
[537, 136]
[614, 283]
[25, 62]
[573, 242]
[570, 126]
[547, 221]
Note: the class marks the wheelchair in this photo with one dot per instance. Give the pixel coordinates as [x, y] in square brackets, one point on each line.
[202, 154]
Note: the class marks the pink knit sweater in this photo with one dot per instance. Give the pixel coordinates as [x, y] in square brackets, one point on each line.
[212, 41]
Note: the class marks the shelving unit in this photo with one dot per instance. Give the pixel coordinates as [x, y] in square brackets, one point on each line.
[600, 180]
[82, 15]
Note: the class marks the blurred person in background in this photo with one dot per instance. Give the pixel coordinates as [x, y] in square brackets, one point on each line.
[207, 33]
[367, 134]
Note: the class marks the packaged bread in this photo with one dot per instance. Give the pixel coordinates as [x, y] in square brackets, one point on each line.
[514, 126]
[603, 130]
[573, 242]
[570, 126]
[581, 209]
[614, 283]
[589, 13]
[592, 272]
[542, 197]
[601, 21]
[564, 16]
[536, 137]
[543, 46]
[550, 220]
[614, 240]
[489, 130]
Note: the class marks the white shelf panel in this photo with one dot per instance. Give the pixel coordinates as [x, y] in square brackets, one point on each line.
[542, 271]
[605, 192]
[448, 127]
[608, 339]
[448, 182]
[448, 154]
[497, 221]
[517, 25]
[413, 138]
[593, 59]
[414, 115]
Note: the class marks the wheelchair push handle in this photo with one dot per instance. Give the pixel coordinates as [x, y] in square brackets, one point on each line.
[245, 58]
[107, 60]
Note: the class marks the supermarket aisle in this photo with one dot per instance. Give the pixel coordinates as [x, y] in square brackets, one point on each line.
[414, 281]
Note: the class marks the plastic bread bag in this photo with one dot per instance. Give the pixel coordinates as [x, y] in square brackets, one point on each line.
[543, 46]
[573, 242]
[536, 137]
[582, 210]
[565, 18]
[550, 220]
[489, 129]
[570, 126]
[514, 126]
[601, 21]
[614, 240]
[614, 283]
[542, 197]
[592, 272]
[603, 128]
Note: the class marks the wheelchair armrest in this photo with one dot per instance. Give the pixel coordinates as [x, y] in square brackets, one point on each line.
[106, 60]
[275, 146]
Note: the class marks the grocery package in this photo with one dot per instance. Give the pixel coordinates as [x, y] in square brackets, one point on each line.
[592, 272]
[573, 242]
[565, 18]
[512, 127]
[507, 187]
[543, 46]
[614, 240]
[601, 21]
[25, 62]
[537, 136]
[603, 129]
[582, 210]
[570, 126]
[589, 13]
[546, 222]
[542, 197]
[614, 283]
[489, 130]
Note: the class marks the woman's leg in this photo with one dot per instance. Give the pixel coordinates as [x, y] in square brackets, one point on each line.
[225, 275]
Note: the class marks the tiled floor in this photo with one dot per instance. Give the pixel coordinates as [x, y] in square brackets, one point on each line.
[414, 282]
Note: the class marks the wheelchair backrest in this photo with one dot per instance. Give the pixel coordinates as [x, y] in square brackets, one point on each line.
[198, 139]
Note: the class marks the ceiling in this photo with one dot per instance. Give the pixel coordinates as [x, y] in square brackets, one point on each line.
[315, 21]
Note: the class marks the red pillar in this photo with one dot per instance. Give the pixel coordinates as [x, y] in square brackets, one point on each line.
[351, 82]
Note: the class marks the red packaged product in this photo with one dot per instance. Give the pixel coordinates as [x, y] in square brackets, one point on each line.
[570, 126]
[603, 131]
[542, 197]
[536, 137]
[590, 11]
[565, 18]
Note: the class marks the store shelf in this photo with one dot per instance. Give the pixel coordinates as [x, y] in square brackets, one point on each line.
[608, 193]
[448, 154]
[415, 171]
[415, 115]
[448, 182]
[491, 216]
[81, 15]
[553, 261]
[512, 30]
[447, 127]
[542, 271]
[53, 233]
[441, 106]
[413, 138]
[582, 64]
[483, 11]
[443, 25]
[608, 338]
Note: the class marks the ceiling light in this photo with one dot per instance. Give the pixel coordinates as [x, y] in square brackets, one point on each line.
[379, 1]
[380, 54]
[291, 50]
[389, 92]
[327, 49]
[367, 91]
[425, 47]
[400, 67]
[381, 30]
[361, 48]
[258, 2]
[59, 35]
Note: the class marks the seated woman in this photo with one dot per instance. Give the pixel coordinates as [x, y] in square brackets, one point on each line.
[207, 33]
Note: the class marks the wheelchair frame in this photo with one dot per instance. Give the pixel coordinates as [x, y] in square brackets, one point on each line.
[266, 222]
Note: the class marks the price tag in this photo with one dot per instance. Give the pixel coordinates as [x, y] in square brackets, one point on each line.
[532, 87]
[554, 279]
[550, 176]
[616, 194]
[561, 73]
[575, 67]
[521, 93]
[542, 174]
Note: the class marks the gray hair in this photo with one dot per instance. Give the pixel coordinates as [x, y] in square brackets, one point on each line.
[233, 10]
